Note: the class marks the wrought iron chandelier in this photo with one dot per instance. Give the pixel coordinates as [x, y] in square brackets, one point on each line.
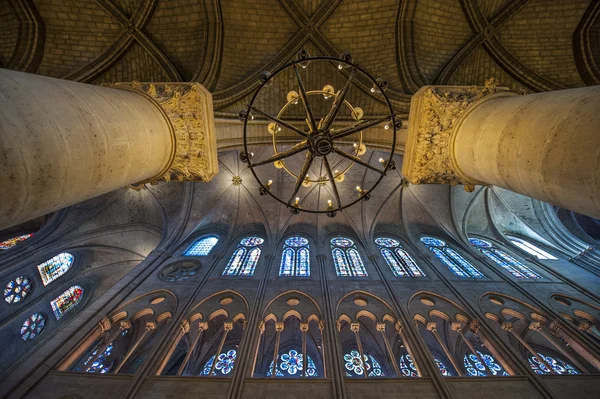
[316, 151]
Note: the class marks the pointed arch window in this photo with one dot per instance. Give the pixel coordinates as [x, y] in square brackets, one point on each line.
[531, 249]
[558, 366]
[346, 258]
[55, 267]
[245, 257]
[66, 301]
[452, 259]
[504, 260]
[295, 259]
[401, 263]
[11, 242]
[202, 247]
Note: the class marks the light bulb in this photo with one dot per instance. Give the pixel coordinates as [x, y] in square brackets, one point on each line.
[340, 66]
[269, 183]
[381, 160]
[297, 200]
[329, 204]
[358, 189]
[355, 145]
[387, 126]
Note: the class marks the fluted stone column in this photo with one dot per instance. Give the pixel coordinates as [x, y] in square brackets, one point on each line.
[63, 142]
[545, 145]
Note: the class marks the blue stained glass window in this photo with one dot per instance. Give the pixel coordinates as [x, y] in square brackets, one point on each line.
[452, 259]
[17, 289]
[503, 259]
[245, 257]
[202, 247]
[295, 260]
[100, 365]
[66, 301]
[407, 366]
[475, 368]
[291, 364]
[401, 263]
[55, 267]
[443, 369]
[558, 366]
[356, 368]
[33, 326]
[224, 364]
[346, 258]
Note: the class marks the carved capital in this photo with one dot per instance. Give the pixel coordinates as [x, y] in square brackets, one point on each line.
[434, 113]
[536, 326]
[304, 327]
[457, 326]
[261, 326]
[150, 325]
[555, 325]
[321, 325]
[203, 325]
[189, 110]
[124, 325]
[475, 325]
[105, 324]
[185, 326]
[507, 326]
[431, 326]
[584, 326]
[228, 326]
[381, 327]
[399, 327]
[355, 327]
[279, 326]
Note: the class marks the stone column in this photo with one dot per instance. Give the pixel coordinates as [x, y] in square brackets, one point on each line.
[541, 145]
[63, 142]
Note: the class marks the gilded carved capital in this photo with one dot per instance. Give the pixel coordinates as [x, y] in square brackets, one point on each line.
[507, 326]
[434, 114]
[304, 327]
[279, 326]
[381, 327]
[124, 325]
[150, 325]
[432, 326]
[184, 325]
[474, 326]
[536, 326]
[261, 326]
[355, 327]
[189, 110]
[457, 326]
[203, 325]
[105, 324]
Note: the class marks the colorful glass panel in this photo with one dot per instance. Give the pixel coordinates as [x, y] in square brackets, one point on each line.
[11, 242]
[442, 367]
[66, 301]
[341, 265]
[387, 242]
[358, 268]
[408, 260]
[346, 258]
[452, 259]
[407, 366]
[401, 263]
[202, 247]
[504, 260]
[55, 267]
[291, 364]
[355, 367]
[342, 242]
[224, 366]
[98, 366]
[245, 257]
[33, 326]
[558, 366]
[531, 249]
[475, 368]
[295, 259]
[17, 289]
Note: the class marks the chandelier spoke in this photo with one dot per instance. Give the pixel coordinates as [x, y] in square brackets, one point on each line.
[332, 180]
[357, 160]
[279, 121]
[357, 128]
[284, 154]
[339, 100]
[311, 118]
[302, 175]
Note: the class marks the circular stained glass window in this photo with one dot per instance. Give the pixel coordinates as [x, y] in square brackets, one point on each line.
[251, 241]
[33, 326]
[387, 242]
[434, 242]
[17, 289]
[296, 242]
[342, 242]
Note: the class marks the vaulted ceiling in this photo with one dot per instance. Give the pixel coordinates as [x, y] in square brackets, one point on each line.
[532, 45]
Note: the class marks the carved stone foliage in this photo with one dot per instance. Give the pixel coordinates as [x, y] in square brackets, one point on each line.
[188, 106]
[434, 112]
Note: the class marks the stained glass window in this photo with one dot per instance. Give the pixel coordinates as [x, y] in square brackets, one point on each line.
[11, 242]
[531, 249]
[224, 364]
[202, 247]
[356, 368]
[17, 289]
[503, 259]
[55, 267]
[100, 365]
[407, 366]
[295, 260]
[33, 326]
[291, 364]
[245, 257]
[443, 369]
[66, 301]
[401, 263]
[475, 368]
[558, 366]
[452, 259]
[346, 258]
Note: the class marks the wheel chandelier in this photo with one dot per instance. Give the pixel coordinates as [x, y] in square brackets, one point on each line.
[320, 148]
